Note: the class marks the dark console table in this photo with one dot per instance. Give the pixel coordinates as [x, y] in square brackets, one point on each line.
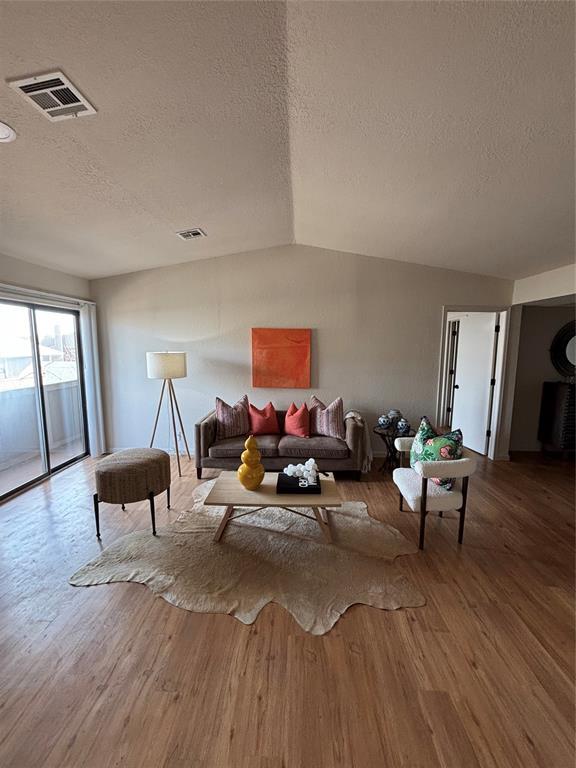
[388, 435]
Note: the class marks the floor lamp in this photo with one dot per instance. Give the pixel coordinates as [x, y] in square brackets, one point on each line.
[168, 366]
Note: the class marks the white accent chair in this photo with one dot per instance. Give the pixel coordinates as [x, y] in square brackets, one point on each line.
[423, 497]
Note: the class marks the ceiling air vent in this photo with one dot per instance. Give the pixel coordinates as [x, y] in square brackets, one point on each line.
[191, 234]
[53, 95]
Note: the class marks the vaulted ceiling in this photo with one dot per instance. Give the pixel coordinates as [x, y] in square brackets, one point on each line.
[436, 133]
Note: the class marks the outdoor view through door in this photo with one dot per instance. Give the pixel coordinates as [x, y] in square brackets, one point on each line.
[42, 406]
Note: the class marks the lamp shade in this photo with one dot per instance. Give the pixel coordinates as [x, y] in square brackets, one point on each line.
[166, 365]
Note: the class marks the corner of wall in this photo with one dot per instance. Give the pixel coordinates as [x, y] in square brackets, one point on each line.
[545, 285]
[24, 274]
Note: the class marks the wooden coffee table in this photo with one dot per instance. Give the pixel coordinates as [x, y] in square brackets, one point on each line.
[228, 492]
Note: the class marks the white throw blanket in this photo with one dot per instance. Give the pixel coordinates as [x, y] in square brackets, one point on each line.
[367, 448]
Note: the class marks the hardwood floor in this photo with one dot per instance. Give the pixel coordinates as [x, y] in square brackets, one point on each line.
[112, 676]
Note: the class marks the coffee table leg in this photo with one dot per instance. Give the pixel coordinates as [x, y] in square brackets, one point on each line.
[323, 522]
[223, 523]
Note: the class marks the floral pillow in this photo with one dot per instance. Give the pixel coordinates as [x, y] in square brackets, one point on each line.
[428, 445]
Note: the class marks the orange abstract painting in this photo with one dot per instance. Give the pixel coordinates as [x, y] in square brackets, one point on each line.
[281, 357]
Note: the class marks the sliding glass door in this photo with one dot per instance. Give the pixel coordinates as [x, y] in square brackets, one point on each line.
[61, 385]
[22, 447]
[42, 404]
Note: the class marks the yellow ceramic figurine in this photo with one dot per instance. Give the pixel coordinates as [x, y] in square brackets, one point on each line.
[251, 471]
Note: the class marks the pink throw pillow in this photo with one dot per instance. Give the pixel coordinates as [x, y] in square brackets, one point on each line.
[263, 421]
[327, 420]
[297, 421]
[232, 420]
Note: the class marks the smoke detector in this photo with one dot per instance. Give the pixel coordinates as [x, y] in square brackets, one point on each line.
[191, 234]
[53, 95]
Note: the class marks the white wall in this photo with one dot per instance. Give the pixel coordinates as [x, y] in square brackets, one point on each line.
[376, 331]
[546, 285]
[539, 326]
[27, 275]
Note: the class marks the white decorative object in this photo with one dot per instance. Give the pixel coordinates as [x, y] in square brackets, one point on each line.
[394, 415]
[307, 471]
[403, 426]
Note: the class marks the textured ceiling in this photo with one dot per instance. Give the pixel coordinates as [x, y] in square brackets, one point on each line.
[437, 133]
[191, 130]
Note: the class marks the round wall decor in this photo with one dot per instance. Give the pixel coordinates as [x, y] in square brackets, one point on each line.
[563, 349]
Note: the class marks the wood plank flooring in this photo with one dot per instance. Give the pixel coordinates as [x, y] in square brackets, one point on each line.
[112, 676]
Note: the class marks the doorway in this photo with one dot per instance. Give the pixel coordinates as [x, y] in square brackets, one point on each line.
[471, 373]
[42, 395]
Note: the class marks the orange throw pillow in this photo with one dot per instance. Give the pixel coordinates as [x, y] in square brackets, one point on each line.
[297, 421]
[264, 421]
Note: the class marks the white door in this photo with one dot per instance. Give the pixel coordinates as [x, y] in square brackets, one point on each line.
[474, 364]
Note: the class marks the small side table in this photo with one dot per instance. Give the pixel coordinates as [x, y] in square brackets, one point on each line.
[388, 436]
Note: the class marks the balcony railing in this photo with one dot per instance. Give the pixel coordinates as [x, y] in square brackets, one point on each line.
[20, 436]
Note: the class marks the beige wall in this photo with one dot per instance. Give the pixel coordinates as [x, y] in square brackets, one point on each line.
[376, 330]
[539, 326]
[546, 285]
[26, 275]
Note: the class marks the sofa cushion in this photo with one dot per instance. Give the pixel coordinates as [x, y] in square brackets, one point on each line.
[233, 420]
[313, 447]
[327, 421]
[297, 421]
[263, 421]
[232, 447]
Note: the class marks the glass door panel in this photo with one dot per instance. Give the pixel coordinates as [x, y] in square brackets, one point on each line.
[22, 439]
[58, 350]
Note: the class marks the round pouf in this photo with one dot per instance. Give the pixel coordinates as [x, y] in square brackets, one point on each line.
[132, 475]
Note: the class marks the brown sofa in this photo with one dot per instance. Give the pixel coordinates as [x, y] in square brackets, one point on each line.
[331, 454]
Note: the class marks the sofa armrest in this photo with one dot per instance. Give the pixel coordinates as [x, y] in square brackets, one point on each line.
[354, 437]
[463, 467]
[403, 444]
[205, 431]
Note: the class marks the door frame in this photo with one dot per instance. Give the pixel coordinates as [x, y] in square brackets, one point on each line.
[449, 373]
[500, 368]
[45, 445]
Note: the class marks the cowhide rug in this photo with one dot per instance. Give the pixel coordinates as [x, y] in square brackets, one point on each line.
[269, 556]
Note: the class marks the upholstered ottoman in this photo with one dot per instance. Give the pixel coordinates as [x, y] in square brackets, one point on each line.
[132, 475]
